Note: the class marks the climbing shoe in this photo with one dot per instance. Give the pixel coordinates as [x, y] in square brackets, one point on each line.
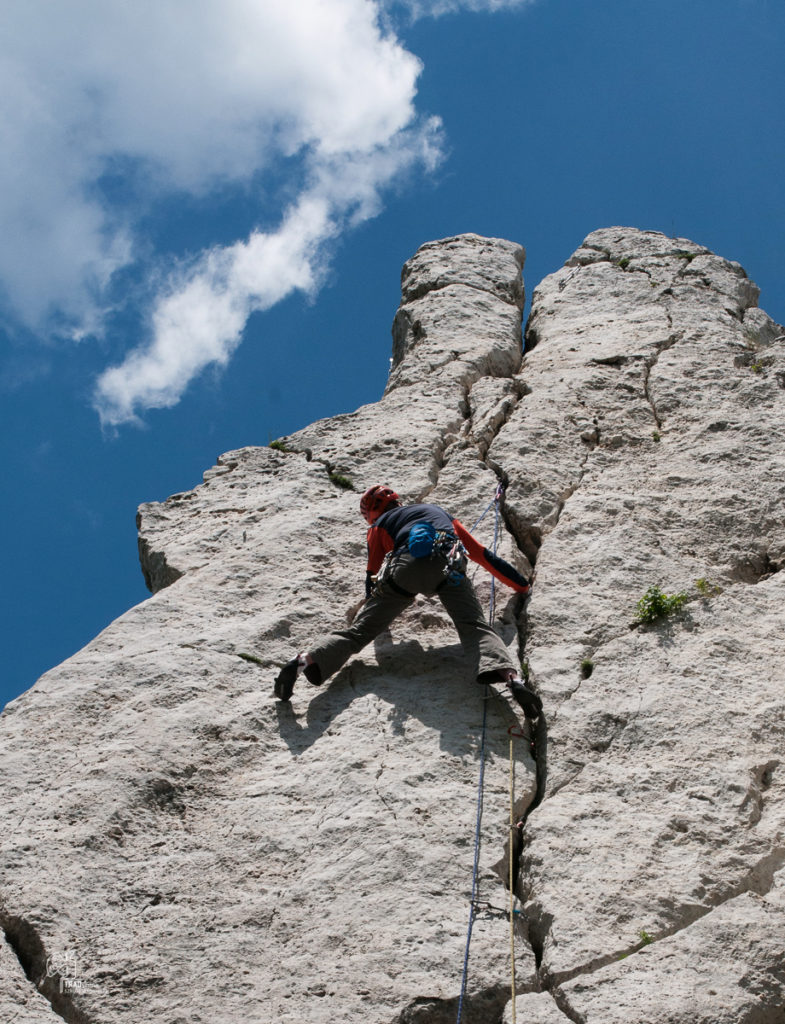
[528, 699]
[284, 682]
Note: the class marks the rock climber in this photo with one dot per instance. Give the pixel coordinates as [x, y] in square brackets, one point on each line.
[418, 549]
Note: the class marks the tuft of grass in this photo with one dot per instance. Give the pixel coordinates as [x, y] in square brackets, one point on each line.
[688, 256]
[525, 670]
[342, 481]
[655, 435]
[250, 657]
[706, 588]
[656, 605]
[587, 667]
[279, 446]
[645, 939]
[623, 263]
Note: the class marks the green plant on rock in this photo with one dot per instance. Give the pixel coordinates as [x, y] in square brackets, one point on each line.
[706, 588]
[645, 940]
[250, 657]
[655, 435]
[279, 446]
[587, 667]
[342, 481]
[623, 263]
[656, 605]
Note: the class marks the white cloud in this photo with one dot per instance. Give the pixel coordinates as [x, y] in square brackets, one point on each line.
[436, 8]
[190, 95]
[200, 320]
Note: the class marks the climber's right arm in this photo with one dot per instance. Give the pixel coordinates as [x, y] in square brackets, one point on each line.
[496, 566]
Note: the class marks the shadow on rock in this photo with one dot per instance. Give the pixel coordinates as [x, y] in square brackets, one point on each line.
[329, 702]
[440, 695]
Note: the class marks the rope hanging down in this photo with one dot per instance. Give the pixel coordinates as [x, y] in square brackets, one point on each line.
[513, 731]
[481, 786]
[475, 870]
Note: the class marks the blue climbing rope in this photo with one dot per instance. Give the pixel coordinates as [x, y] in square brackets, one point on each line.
[494, 501]
[485, 513]
[475, 870]
[497, 500]
[481, 786]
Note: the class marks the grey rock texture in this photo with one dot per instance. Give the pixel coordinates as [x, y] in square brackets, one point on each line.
[20, 1001]
[178, 846]
[650, 452]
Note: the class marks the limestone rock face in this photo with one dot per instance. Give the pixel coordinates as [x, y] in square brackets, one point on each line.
[649, 452]
[179, 846]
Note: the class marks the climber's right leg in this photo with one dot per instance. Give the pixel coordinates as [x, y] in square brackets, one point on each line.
[334, 650]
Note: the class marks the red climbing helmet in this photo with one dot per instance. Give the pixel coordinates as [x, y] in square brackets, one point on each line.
[377, 499]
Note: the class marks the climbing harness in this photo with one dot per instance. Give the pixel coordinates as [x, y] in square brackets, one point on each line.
[425, 541]
[476, 904]
[445, 545]
[454, 554]
[384, 575]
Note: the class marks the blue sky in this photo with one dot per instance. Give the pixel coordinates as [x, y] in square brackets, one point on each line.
[204, 209]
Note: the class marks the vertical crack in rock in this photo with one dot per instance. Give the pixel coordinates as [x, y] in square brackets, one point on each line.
[759, 783]
[441, 451]
[650, 363]
[24, 940]
[762, 875]
[527, 538]
[498, 419]
[484, 371]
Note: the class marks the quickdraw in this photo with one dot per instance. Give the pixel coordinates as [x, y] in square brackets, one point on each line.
[454, 554]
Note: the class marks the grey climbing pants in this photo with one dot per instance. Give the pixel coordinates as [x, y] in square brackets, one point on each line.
[482, 646]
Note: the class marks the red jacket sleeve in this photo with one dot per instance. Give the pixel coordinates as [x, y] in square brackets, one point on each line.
[496, 566]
